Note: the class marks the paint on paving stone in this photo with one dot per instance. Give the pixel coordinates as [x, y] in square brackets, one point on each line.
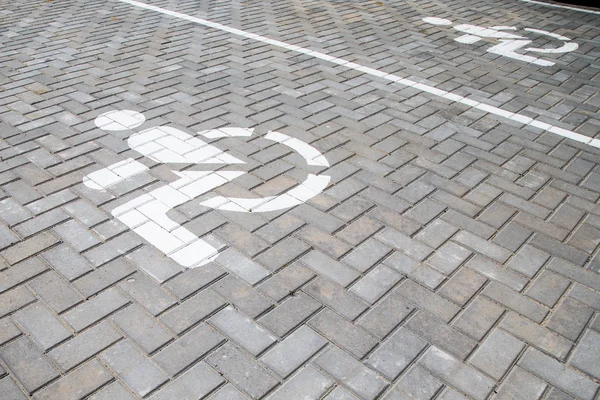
[147, 216]
[520, 118]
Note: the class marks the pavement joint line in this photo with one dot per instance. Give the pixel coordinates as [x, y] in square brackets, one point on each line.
[380, 74]
[541, 3]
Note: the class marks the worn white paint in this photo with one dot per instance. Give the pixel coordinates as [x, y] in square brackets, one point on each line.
[147, 215]
[509, 42]
[376, 73]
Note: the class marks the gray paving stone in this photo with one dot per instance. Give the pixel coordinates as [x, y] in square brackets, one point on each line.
[376, 283]
[242, 266]
[457, 374]
[67, 262]
[228, 392]
[242, 330]
[77, 384]
[289, 314]
[570, 318]
[427, 300]
[192, 311]
[288, 355]
[335, 297]
[396, 353]
[195, 383]
[243, 296]
[190, 347]
[194, 280]
[309, 383]
[352, 374]
[584, 357]
[95, 309]
[330, 268]
[141, 328]
[8, 330]
[286, 281]
[548, 288]
[10, 390]
[415, 384]
[141, 375]
[15, 299]
[103, 277]
[147, 293]
[44, 328]
[27, 363]
[242, 371]
[515, 301]
[520, 384]
[558, 374]
[114, 391]
[55, 292]
[153, 263]
[536, 335]
[478, 318]
[20, 273]
[496, 354]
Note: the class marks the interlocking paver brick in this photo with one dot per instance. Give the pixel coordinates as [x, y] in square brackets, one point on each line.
[29, 366]
[336, 297]
[195, 383]
[15, 299]
[187, 349]
[78, 384]
[309, 382]
[242, 330]
[95, 309]
[396, 353]
[559, 374]
[140, 374]
[9, 389]
[570, 318]
[352, 374]
[44, 328]
[288, 355]
[457, 374]
[242, 371]
[192, 311]
[416, 384]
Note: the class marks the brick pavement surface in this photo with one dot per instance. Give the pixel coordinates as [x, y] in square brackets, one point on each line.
[453, 255]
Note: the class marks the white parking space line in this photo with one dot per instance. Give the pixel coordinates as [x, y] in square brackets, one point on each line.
[380, 74]
[541, 3]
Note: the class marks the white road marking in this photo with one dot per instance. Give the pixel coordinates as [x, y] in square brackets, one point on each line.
[541, 3]
[373, 72]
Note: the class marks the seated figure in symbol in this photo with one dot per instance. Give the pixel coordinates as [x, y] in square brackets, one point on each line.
[147, 216]
[509, 42]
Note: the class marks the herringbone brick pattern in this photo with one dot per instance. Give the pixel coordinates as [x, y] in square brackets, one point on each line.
[453, 255]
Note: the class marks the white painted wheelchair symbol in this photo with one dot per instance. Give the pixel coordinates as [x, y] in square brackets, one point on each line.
[509, 42]
[147, 216]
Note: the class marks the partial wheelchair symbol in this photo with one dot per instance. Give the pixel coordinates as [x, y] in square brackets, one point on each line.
[509, 42]
[147, 215]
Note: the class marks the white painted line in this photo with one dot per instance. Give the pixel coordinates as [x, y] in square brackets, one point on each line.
[370, 71]
[541, 3]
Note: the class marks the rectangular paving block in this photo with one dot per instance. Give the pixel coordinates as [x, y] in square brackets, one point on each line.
[95, 309]
[585, 356]
[8, 330]
[103, 277]
[84, 346]
[335, 297]
[243, 330]
[21, 272]
[376, 283]
[140, 374]
[536, 335]
[415, 384]
[286, 281]
[10, 389]
[456, 374]
[570, 318]
[242, 371]
[147, 293]
[44, 328]
[361, 380]
[55, 291]
[190, 347]
[558, 374]
[396, 353]
[29, 247]
[330, 268]
[192, 311]
[27, 364]
[242, 266]
[242, 295]
[496, 354]
[15, 299]
[520, 384]
[78, 384]
[427, 300]
[289, 314]
[515, 301]
[288, 355]
[195, 383]
[309, 383]
[141, 328]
